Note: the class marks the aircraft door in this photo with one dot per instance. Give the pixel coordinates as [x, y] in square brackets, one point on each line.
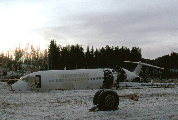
[34, 83]
[38, 81]
[31, 83]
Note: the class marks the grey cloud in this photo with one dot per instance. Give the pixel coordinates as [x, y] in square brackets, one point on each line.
[132, 27]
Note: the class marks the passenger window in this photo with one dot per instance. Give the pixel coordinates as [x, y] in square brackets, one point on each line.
[71, 75]
[93, 78]
[96, 78]
[49, 80]
[67, 75]
[52, 80]
[100, 78]
[87, 74]
[56, 80]
[90, 78]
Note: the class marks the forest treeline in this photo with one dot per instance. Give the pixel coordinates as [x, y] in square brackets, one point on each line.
[74, 57]
[57, 57]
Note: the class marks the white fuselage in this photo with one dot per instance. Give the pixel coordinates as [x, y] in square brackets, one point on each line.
[64, 79]
[67, 79]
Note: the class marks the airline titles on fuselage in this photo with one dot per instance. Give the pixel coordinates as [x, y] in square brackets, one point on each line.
[81, 77]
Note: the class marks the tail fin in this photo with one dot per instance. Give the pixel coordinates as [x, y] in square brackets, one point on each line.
[138, 68]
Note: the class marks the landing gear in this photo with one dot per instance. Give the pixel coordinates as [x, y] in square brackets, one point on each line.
[108, 79]
[105, 100]
[96, 97]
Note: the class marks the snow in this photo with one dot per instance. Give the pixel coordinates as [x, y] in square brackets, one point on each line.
[154, 103]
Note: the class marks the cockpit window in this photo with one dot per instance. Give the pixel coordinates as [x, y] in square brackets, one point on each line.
[24, 78]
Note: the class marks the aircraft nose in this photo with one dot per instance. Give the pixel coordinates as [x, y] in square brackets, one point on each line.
[20, 86]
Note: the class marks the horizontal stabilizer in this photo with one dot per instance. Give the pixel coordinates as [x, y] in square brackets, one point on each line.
[145, 64]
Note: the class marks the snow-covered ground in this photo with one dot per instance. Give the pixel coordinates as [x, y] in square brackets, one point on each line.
[154, 103]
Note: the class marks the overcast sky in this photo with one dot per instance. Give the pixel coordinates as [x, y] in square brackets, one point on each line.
[150, 25]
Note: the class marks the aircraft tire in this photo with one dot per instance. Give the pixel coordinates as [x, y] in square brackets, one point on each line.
[96, 97]
[108, 100]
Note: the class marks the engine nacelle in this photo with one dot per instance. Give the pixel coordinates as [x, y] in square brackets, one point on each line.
[137, 79]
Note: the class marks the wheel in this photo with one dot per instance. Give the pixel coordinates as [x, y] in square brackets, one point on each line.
[96, 97]
[108, 100]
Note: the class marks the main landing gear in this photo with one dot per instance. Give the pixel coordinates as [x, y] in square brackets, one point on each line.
[105, 100]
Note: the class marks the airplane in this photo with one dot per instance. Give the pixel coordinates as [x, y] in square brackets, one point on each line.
[73, 79]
